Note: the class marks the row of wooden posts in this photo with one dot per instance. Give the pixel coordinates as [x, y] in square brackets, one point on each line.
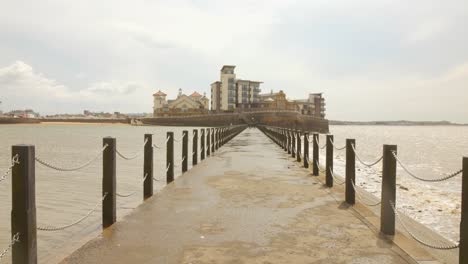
[290, 141]
[23, 213]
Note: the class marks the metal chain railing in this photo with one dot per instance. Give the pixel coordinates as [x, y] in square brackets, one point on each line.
[86, 164]
[442, 178]
[415, 237]
[59, 228]
[136, 155]
[361, 197]
[155, 146]
[132, 193]
[167, 168]
[333, 144]
[338, 181]
[14, 240]
[14, 161]
[364, 163]
[324, 146]
[318, 166]
[182, 138]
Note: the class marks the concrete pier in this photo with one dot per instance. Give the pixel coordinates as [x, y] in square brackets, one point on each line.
[248, 203]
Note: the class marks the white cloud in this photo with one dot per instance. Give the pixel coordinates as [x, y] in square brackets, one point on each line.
[362, 50]
[22, 87]
[19, 79]
[427, 31]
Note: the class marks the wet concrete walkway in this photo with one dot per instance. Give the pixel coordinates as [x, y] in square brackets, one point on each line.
[249, 203]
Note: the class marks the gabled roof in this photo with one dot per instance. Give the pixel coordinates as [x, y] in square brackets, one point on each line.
[195, 94]
[159, 93]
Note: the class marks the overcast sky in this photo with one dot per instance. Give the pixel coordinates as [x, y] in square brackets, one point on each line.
[372, 59]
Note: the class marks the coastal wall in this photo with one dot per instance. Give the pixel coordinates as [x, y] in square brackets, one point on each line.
[11, 120]
[292, 120]
[87, 120]
[63, 120]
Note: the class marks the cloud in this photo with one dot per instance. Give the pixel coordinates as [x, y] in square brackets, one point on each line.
[22, 87]
[19, 79]
[362, 50]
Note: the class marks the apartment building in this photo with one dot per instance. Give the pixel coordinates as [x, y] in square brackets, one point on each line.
[230, 93]
[314, 105]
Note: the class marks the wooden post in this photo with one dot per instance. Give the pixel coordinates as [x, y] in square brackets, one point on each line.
[281, 135]
[208, 142]
[217, 138]
[225, 135]
[293, 144]
[195, 147]
[23, 209]
[315, 158]
[306, 150]
[329, 162]
[298, 156]
[350, 176]
[221, 138]
[212, 140]
[170, 157]
[463, 251]
[184, 151]
[202, 144]
[387, 215]
[109, 185]
[148, 167]
[288, 136]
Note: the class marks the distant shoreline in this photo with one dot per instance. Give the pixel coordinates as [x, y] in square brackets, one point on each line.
[394, 123]
[22, 121]
[81, 123]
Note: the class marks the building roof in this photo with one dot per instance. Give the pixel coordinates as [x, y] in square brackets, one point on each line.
[241, 80]
[159, 93]
[195, 94]
[268, 94]
[228, 66]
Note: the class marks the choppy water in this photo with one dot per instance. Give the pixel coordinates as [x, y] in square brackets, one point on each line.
[428, 151]
[63, 197]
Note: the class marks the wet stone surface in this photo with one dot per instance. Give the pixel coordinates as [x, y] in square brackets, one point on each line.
[249, 203]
